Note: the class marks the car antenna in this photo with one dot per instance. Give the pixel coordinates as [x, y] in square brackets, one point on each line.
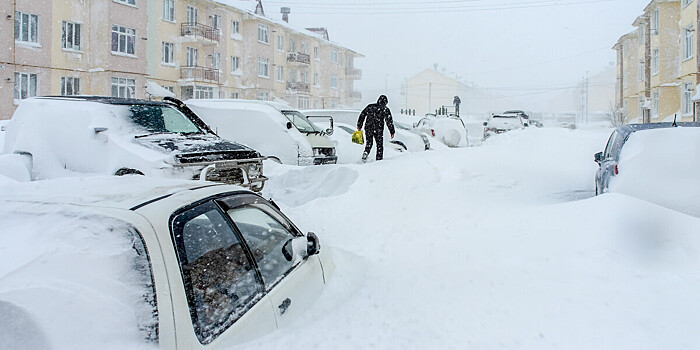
[674, 120]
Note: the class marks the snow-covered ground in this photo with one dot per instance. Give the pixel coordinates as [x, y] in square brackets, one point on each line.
[499, 246]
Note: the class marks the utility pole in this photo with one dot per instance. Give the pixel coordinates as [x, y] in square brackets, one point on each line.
[586, 100]
[430, 96]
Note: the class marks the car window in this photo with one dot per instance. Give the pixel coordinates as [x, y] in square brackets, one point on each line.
[148, 319]
[300, 121]
[220, 279]
[609, 147]
[266, 232]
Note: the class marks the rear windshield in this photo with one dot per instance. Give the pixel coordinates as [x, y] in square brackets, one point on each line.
[161, 119]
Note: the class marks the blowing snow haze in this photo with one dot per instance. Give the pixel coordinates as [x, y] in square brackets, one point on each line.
[528, 51]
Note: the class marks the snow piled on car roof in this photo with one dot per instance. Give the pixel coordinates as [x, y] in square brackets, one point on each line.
[659, 165]
[72, 279]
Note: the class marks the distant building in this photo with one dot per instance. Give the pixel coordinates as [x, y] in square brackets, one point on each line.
[429, 90]
[192, 48]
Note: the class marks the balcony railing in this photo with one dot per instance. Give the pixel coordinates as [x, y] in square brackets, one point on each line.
[200, 30]
[209, 75]
[298, 57]
[353, 72]
[298, 87]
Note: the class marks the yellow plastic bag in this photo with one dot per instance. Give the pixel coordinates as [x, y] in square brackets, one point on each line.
[358, 138]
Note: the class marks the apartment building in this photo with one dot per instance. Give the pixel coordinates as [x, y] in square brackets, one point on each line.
[657, 64]
[192, 48]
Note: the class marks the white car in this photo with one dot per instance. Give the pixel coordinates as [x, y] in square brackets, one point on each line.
[449, 130]
[405, 138]
[272, 128]
[500, 123]
[138, 262]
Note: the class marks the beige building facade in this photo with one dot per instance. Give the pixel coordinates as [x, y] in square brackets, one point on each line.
[193, 48]
[657, 64]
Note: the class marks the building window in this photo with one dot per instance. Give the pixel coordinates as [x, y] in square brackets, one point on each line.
[305, 48]
[70, 36]
[234, 64]
[280, 43]
[263, 67]
[263, 96]
[192, 14]
[342, 84]
[280, 73]
[168, 53]
[123, 40]
[316, 52]
[688, 42]
[641, 70]
[235, 28]
[303, 102]
[216, 61]
[263, 34]
[169, 10]
[315, 79]
[655, 22]
[655, 104]
[25, 85]
[203, 92]
[128, 2]
[687, 98]
[292, 45]
[342, 60]
[234, 95]
[305, 76]
[655, 61]
[640, 34]
[641, 108]
[123, 87]
[70, 86]
[191, 57]
[26, 27]
[334, 56]
[334, 81]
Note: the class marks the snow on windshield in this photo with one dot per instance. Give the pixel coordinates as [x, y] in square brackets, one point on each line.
[158, 119]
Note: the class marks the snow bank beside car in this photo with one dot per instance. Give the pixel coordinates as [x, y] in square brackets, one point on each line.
[661, 166]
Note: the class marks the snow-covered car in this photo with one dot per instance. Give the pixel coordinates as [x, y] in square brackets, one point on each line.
[63, 136]
[139, 263]
[500, 123]
[647, 160]
[449, 130]
[273, 128]
[405, 138]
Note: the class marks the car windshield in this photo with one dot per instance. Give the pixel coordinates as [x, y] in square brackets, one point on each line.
[161, 119]
[300, 122]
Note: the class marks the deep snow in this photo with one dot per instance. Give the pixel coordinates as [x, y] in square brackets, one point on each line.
[497, 246]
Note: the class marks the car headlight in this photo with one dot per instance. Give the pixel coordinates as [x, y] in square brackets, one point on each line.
[254, 170]
[324, 152]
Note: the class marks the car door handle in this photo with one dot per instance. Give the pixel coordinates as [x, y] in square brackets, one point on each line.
[284, 306]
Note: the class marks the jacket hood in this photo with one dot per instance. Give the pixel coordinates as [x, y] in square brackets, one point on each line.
[382, 100]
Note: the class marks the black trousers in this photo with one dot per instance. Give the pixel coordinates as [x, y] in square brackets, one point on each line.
[369, 139]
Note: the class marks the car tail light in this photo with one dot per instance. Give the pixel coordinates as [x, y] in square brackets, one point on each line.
[432, 132]
[616, 171]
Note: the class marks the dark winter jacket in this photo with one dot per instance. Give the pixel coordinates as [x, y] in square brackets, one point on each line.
[374, 116]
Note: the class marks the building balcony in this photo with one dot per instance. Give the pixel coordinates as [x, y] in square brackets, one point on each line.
[198, 30]
[298, 87]
[298, 57]
[354, 73]
[201, 74]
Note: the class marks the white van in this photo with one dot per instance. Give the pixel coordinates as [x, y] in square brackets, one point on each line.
[272, 128]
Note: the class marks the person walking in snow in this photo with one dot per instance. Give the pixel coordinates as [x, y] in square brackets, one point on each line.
[373, 118]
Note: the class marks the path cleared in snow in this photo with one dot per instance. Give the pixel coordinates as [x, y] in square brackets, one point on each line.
[498, 246]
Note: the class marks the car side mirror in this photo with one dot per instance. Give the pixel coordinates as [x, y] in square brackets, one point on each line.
[289, 125]
[486, 123]
[329, 131]
[99, 130]
[312, 246]
[526, 125]
[598, 157]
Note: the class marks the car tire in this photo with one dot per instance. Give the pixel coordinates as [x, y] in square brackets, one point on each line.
[127, 171]
[402, 147]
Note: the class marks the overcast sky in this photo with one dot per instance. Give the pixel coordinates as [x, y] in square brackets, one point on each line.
[521, 48]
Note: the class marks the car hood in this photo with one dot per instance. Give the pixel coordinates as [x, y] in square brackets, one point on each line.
[319, 141]
[505, 123]
[197, 148]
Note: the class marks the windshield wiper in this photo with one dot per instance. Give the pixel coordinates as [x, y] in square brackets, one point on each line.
[153, 133]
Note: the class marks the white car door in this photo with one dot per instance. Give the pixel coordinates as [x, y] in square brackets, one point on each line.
[292, 283]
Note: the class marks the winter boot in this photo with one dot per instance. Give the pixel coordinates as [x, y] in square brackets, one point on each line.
[364, 156]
